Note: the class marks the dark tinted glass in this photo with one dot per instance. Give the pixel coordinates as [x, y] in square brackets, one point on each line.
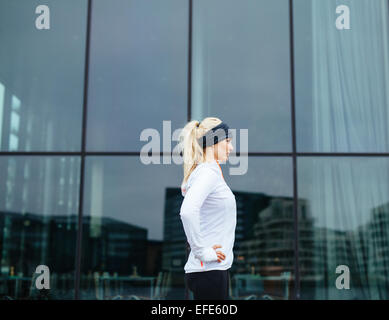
[38, 226]
[41, 75]
[344, 228]
[341, 75]
[241, 69]
[138, 71]
[133, 244]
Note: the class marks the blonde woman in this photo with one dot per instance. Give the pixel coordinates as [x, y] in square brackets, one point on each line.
[208, 211]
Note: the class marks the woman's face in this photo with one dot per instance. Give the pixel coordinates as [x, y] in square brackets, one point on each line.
[222, 150]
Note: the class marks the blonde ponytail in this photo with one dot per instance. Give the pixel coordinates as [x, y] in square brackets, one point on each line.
[193, 153]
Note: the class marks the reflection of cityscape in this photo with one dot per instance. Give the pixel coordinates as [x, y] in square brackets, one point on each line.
[263, 237]
[264, 243]
[365, 251]
[108, 244]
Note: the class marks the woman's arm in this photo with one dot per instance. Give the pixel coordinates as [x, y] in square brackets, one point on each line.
[201, 187]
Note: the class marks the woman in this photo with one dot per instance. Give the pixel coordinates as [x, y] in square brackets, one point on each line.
[208, 211]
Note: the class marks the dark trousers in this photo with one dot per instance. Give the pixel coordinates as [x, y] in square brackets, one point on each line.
[209, 285]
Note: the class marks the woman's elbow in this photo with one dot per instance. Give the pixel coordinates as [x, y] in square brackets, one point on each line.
[186, 213]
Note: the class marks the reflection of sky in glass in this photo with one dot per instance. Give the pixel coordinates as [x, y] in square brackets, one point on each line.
[341, 77]
[2, 89]
[240, 73]
[270, 175]
[135, 193]
[132, 192]
[33, 185]
[342, 192]
[42, 71]
[138, 71]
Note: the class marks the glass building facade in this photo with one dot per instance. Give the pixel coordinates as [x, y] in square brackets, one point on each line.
[75, 99]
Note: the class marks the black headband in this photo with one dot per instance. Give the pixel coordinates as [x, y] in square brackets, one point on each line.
[214, 135]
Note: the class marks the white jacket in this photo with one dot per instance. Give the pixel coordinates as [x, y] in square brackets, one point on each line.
[208, 214]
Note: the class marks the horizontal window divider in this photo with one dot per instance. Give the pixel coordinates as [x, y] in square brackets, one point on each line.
[342, 154]
[134, 153]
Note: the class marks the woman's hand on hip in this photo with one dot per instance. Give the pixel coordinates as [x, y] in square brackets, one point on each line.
[220, 255]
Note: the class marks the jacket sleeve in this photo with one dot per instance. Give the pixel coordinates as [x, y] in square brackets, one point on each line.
[200, 188]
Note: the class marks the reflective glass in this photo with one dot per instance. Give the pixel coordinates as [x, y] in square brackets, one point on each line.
[344, 229]
[241, 69]
[341, 75]
[38, 226]
[41, 75]
[133, 245]
[138, 71]
[264, 252]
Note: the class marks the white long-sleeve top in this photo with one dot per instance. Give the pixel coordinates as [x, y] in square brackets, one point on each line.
[208, 214]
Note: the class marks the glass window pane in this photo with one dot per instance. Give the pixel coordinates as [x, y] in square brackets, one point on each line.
[344, 222]
[241, 73]
[41, 75]
[264, 253]
[138, 71]
[38, 225]
[342, 76]
[133, 245]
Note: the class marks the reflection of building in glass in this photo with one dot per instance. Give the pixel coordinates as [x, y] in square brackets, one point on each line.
[118, 247]
[379, 237]
[306, 241]
[365, 251]
[153, 257]
[264, 244]
[263, 237]
[331, 248]
[321, 249]
[174, 245]
[114, 246]
[30, 239]
[268, 245]
[174, 252]
[245, 252]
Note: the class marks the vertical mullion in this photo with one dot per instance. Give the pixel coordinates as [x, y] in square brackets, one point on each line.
[83, 154]
[189, 114]
[294, 158]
